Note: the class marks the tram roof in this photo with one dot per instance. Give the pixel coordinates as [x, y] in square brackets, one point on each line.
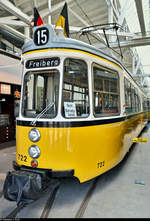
[62, 42]
[69, 43]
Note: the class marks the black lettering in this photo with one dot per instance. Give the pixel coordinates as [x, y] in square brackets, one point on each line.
[21, 157]
[18, 156]
[25, 158]
[100, 164]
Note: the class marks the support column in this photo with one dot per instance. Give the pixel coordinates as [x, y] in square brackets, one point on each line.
[49, 8]
[133, 64]
[35, 3]
[110, 13]
[110, 19]
[27, 33]
[138, 65]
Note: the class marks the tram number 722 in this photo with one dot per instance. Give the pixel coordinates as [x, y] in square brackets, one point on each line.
[22, 157]
[100, 164]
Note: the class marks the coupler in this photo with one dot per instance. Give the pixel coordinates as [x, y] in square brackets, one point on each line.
[25, 185]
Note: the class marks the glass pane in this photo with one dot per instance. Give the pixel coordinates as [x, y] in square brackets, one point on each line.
[75, 97]
[106, 92]
[106, 85]
[113, 85]
[41, 94]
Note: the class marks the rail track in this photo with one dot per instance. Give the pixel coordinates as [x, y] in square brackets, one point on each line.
[14, 213]
[2, 178]
[47, 207]
[49, 203]
[50, 200]
[86, 199]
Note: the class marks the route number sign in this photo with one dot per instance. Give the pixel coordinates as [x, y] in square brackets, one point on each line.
[41, 36]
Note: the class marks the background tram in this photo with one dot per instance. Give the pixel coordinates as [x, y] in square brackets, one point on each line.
[80, 110]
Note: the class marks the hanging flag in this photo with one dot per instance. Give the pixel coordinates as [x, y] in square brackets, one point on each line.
[37, 18]
[63, 21]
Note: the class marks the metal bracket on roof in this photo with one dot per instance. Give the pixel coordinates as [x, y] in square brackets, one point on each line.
[108, 26]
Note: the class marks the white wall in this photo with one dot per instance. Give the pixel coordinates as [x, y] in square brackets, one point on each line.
[10, 70]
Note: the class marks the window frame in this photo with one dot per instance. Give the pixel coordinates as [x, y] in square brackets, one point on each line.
[23, 91]
[134, 95]
[61, 111]
[102, 115]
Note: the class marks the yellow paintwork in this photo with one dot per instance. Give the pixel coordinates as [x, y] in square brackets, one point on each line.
[140, 140]
[81, 148]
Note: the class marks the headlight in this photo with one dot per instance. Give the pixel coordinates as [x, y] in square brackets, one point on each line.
[34, 151]
[34, 135]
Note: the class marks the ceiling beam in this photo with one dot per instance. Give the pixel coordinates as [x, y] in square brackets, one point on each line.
[101, 38]
[140, 14]
[7, 43]
[15, 32]
[10, 54]
[20, 2]
[8, 6]
[45, 12]
[140, 75]
[135, 42]
[10, 20]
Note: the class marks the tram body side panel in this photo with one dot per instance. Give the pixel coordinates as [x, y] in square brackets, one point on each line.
[149, 115]
[90, 150]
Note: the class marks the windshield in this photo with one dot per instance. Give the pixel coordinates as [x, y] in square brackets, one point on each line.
[41, 89]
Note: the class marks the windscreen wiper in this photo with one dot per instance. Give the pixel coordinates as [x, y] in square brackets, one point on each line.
[49, 106]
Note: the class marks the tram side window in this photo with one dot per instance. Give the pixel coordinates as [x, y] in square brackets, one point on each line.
[75, 95]
[137, 100]
[132, 99]
[106, 91]
[40, 94]
[139, 104]
[148, 104]
[128, 97]
[145, 107]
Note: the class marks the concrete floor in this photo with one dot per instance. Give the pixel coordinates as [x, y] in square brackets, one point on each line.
[7, 155]
[117, 195]
[123, 192]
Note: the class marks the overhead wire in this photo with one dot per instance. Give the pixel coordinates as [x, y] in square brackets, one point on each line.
[83, 12]
[91, 24]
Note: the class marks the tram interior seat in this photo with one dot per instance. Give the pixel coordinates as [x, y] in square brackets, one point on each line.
[99, 110]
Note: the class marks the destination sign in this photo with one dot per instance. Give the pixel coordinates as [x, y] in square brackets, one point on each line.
[43, 63]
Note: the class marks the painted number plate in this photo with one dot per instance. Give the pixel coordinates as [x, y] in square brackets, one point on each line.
[22, 157]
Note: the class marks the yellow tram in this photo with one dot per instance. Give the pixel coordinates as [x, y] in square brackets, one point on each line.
[148, 106]
[80, 109]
